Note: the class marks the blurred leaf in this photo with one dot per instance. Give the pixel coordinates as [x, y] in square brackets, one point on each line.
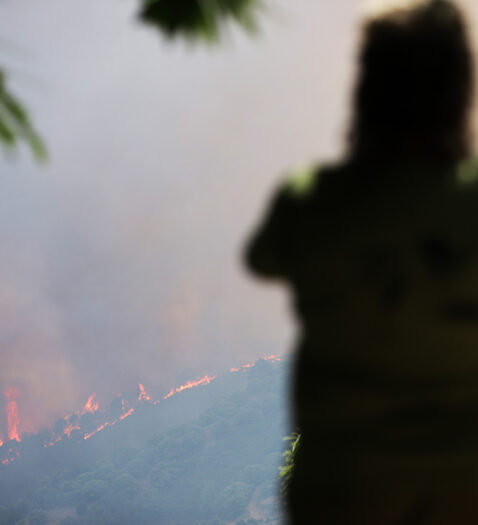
[198, 19]
[286, 472]
[15, 125]
[7, 136]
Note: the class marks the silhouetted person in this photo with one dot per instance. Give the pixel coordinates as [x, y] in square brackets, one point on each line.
[381, 255]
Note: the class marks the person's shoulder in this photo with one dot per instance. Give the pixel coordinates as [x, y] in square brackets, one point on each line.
[466, 174]
[303, 184]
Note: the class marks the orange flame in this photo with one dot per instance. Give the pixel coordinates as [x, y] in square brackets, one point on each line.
[101, 427]
[143, 396]
[243, 367]
[13, 419]
[111, 423]
[69, 429]
[272, 358]
[190, 384]
[90, 406]
[250, 365]
[126, 414]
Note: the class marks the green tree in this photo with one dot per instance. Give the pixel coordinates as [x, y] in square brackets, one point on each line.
[287, 470]
[15, 124]
[194, 19]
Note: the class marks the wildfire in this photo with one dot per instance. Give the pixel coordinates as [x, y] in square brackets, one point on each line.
[143, 396]
[12, 456]
[190, 384]
[126, 414]
[101, 427]
[90, 406]
[69, 429]
[13, 419]
[250, 365]
[73, 421]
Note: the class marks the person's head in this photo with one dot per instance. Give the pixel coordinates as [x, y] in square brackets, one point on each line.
[415, 85]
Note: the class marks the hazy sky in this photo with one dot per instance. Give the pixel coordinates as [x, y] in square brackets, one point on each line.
[120, 259]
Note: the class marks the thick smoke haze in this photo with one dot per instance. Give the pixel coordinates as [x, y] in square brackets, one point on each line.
[120, 258]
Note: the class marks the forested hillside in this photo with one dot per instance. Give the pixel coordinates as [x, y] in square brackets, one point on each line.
[220, 467]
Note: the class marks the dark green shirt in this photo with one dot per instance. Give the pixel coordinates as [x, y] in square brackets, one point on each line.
[382, 262]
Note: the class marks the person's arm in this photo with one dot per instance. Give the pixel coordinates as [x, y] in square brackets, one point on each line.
[269, 252]
[264, 254]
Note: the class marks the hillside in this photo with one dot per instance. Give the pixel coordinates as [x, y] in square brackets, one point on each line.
[208, 455]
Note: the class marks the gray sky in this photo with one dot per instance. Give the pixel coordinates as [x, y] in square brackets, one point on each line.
[120, 259]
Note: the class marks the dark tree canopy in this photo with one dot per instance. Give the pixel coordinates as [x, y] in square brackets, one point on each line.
[197, 19]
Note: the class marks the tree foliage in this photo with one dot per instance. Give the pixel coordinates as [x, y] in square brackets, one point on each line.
[287, 470]
[198, 19]
[15, 124]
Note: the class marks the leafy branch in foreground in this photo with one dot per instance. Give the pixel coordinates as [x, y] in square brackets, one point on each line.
[15, 124]
[198, 19]
[286, 472]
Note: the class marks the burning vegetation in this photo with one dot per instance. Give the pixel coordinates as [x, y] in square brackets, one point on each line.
[209, 454]
[13, 420]
[85, 423]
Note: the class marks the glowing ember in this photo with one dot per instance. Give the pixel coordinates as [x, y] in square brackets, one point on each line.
[91, 406]
[13, 419]
[190, 384]
[143, 396]
[12, 455]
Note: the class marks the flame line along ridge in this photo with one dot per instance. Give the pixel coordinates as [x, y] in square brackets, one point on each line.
[91, 408]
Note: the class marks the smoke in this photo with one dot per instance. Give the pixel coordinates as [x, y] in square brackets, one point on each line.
[120, 259]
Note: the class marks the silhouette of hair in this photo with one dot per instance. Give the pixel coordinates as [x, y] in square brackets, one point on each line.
[415, 85]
